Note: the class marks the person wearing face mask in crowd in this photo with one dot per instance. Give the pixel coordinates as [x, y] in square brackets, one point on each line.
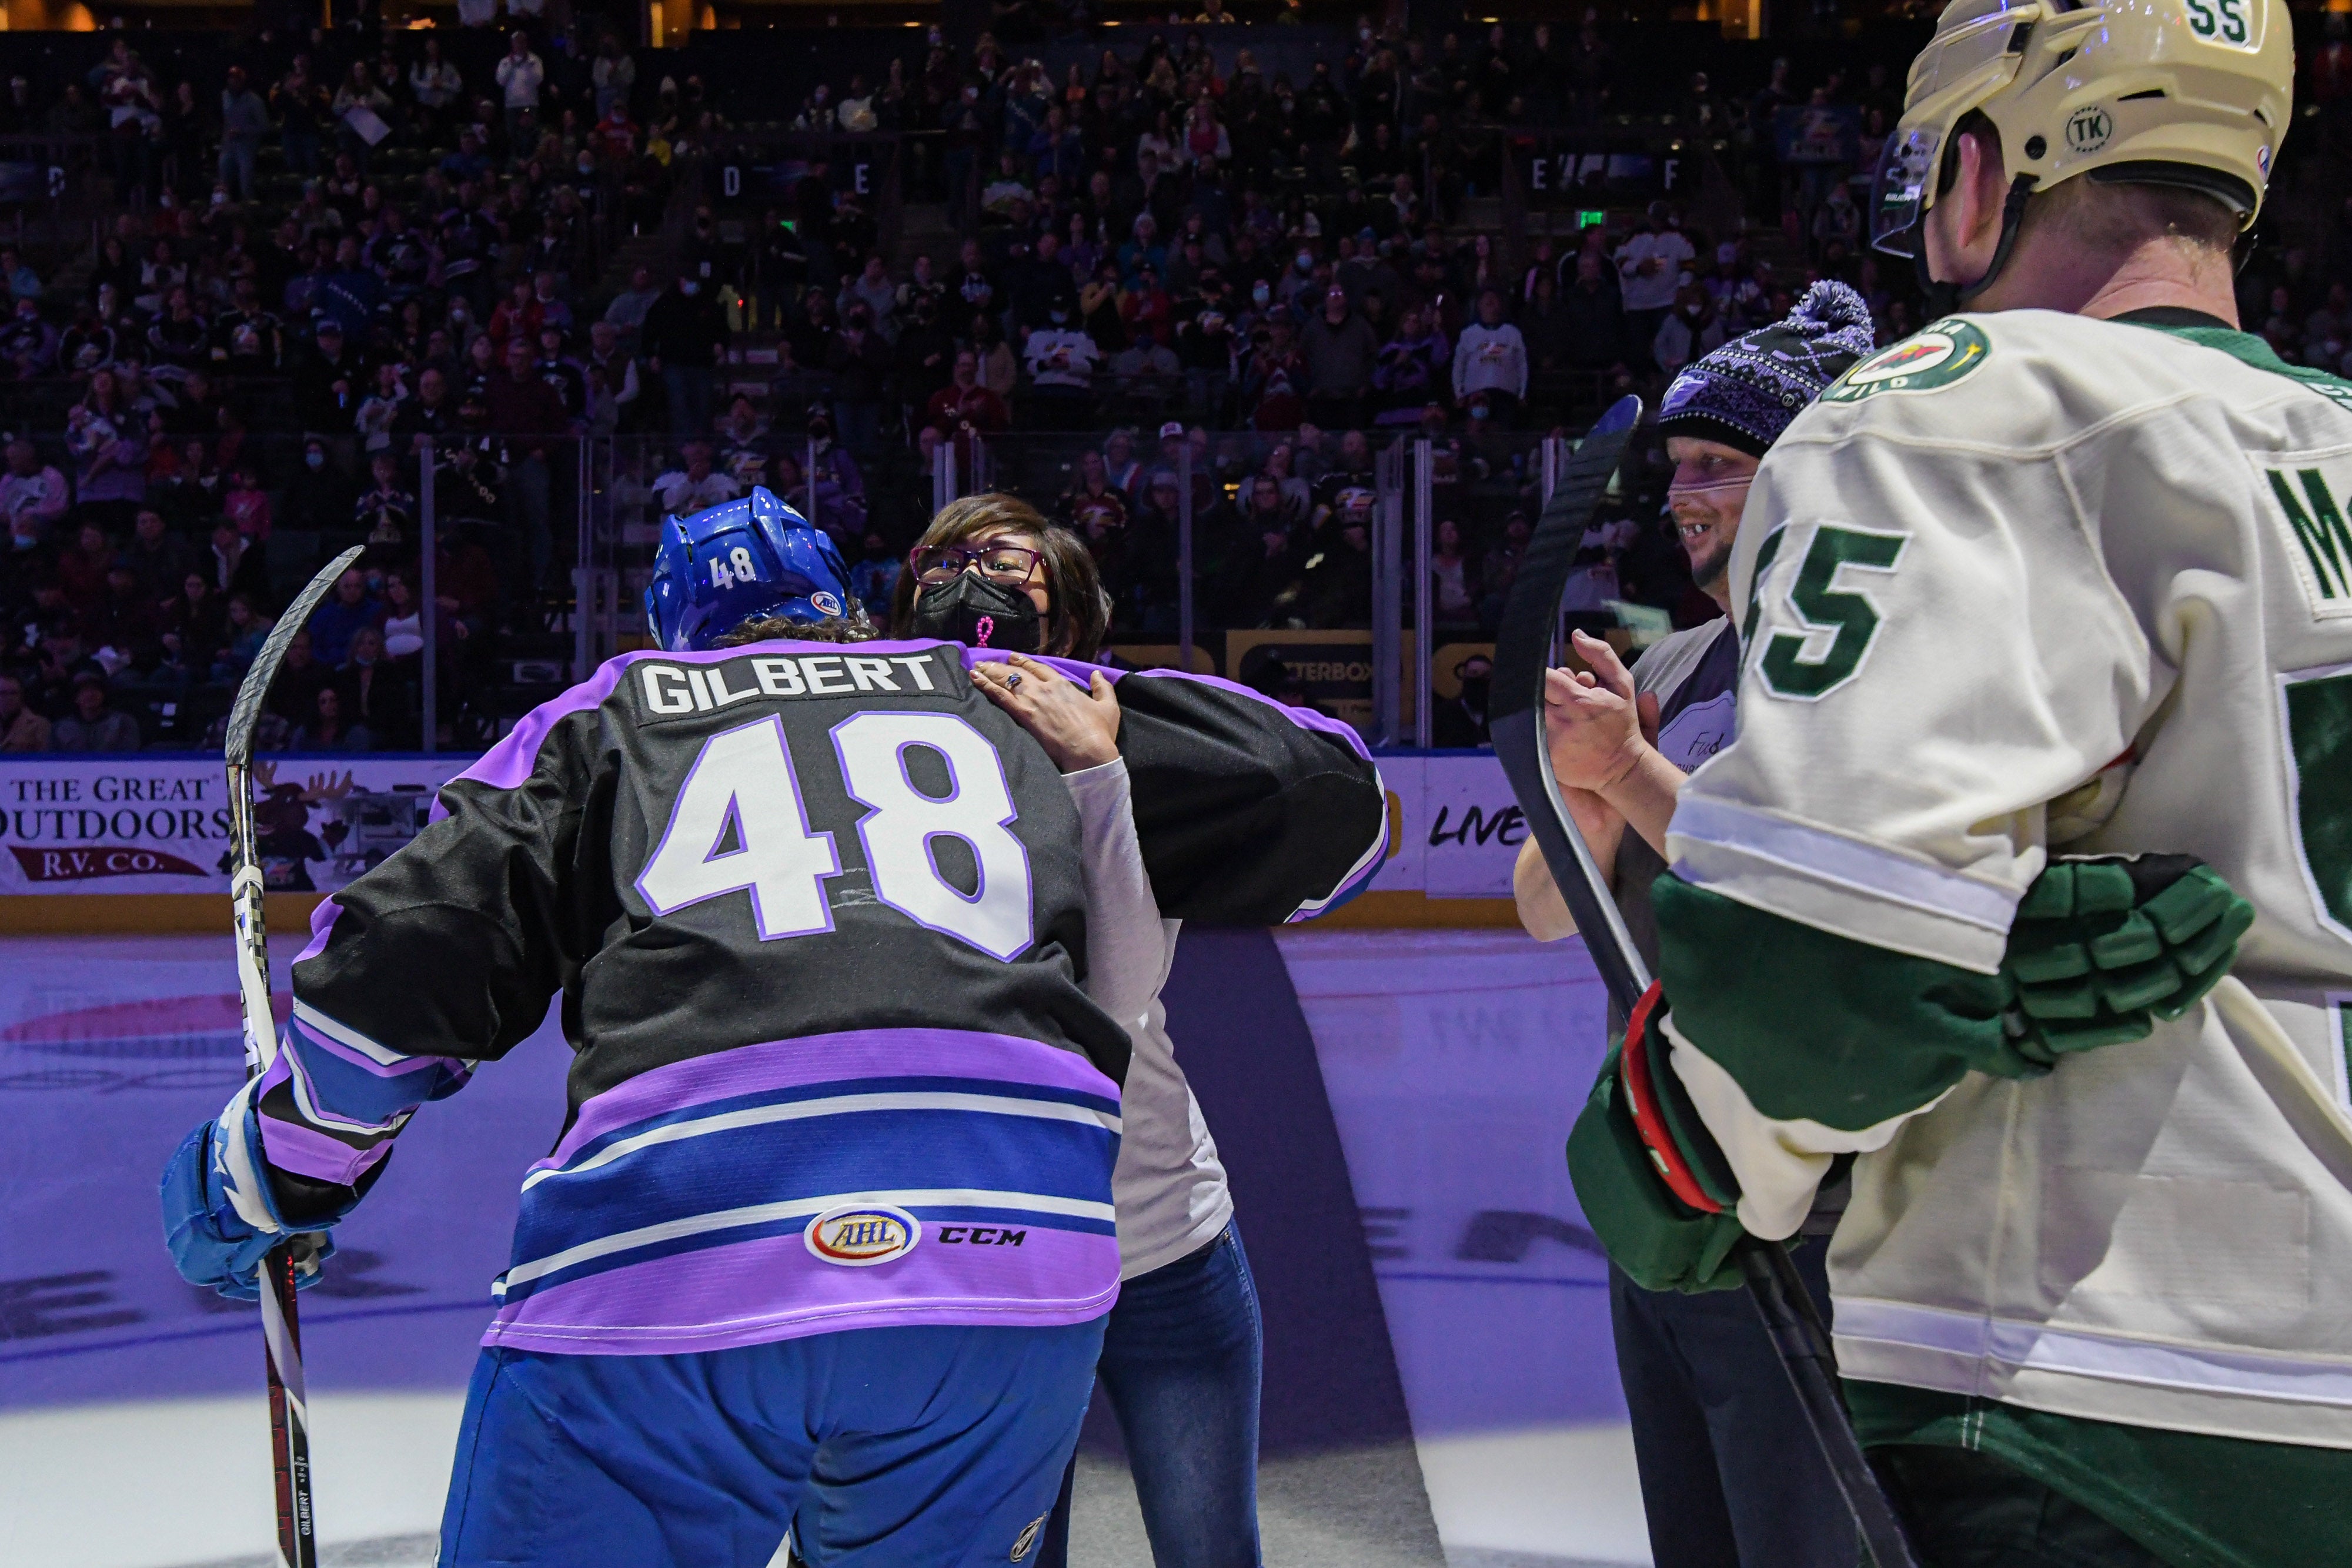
[1490, 363]
[1728, 1468]
[684, 337]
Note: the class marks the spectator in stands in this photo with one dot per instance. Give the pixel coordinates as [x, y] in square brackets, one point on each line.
[245, 120]
[878, 292]
[21, 729]
[1595, 325]
[1149, 377]
[614, 74]
[33, 496]
[236, 564]
[520, 73]
[627, 310]
[372, 696]
[195, 626]
[246, 628]
[328, 383]
[158, 558]
[94, 725]
[966, 405]
[1061, 360]
[1261, 575]
[874, 577]
[294, 694]
[1094, 508]
[683, 338]
[109, 444]
[695, 484]
[1490, 363]
[1341, 351]
[324, 729]
[348, 610]
[28, 345]
[320, 494]
[859, 361]
[1274, 385]
[1649, 266]
[1413, 369]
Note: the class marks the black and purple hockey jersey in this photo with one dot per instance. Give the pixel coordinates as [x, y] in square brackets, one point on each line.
[815, 915]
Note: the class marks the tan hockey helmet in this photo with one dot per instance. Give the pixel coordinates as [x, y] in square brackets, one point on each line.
[2183, 92]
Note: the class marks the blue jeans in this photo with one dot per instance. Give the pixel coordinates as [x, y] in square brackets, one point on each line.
[1181, 1362]
[875, 1447]
[1730, 1472]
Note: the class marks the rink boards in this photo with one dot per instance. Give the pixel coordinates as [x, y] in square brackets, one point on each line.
[1451, 1063]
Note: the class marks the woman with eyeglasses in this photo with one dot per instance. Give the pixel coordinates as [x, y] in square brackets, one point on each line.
[1181, 1353]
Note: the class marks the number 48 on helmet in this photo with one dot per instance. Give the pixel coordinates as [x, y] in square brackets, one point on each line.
[751, 559]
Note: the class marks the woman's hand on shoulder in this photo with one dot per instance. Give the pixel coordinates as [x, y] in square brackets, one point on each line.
[1078, 726]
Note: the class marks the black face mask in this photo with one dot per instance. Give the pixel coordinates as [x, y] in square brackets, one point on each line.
[1473, 693]
[978, 613]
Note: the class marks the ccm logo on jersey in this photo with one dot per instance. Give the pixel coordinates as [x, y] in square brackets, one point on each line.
[862, 1235]
[673, 689]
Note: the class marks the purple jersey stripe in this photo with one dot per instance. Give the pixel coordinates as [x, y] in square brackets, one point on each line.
[830, 1059]
[306, 1152]
[1304, 717]
[322, 926]
[772, 1289]
[509, 763]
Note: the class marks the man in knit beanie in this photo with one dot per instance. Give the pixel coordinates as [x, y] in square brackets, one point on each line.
[1730, 1472]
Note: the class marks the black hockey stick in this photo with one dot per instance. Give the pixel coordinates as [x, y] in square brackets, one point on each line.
[1522, 652]
[290, 1405]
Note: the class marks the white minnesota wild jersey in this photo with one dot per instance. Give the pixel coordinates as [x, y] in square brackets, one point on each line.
[2030, 582]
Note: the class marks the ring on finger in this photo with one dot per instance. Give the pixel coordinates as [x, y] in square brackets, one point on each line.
[1012, 681]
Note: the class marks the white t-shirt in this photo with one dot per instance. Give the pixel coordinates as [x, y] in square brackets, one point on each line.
[1168, 1186]
[1655, 289]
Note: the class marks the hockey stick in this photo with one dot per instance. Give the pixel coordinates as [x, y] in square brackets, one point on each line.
[290, 1407]
[1522, 651]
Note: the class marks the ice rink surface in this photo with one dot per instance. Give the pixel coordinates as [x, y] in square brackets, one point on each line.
[131, 1427]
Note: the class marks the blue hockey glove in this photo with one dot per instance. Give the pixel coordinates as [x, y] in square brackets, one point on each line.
[220, 1217]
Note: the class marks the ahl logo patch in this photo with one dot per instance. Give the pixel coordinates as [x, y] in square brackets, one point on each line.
[1936, 356]
[859, 1236]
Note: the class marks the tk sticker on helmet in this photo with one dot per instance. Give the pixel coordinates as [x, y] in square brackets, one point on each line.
[2088, 130]
[1936, 356]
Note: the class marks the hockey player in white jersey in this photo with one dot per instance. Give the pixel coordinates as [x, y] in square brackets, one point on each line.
[2047, 646]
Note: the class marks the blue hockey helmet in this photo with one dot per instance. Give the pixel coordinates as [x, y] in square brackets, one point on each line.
[742, 561]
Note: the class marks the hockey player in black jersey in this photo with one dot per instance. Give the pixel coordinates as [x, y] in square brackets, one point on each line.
[827, 1238]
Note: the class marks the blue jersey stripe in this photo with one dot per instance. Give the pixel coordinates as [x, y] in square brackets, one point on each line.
[697, 1110]
[511, 1291]
[778, 1162]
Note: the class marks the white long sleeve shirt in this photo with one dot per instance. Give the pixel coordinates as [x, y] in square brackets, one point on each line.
[1168, 1186]
[1490, 359]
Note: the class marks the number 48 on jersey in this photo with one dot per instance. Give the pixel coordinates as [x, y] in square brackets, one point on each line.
[741, 825]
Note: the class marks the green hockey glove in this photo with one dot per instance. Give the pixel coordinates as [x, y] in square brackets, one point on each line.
[2105, 946]
[1652, 1182]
